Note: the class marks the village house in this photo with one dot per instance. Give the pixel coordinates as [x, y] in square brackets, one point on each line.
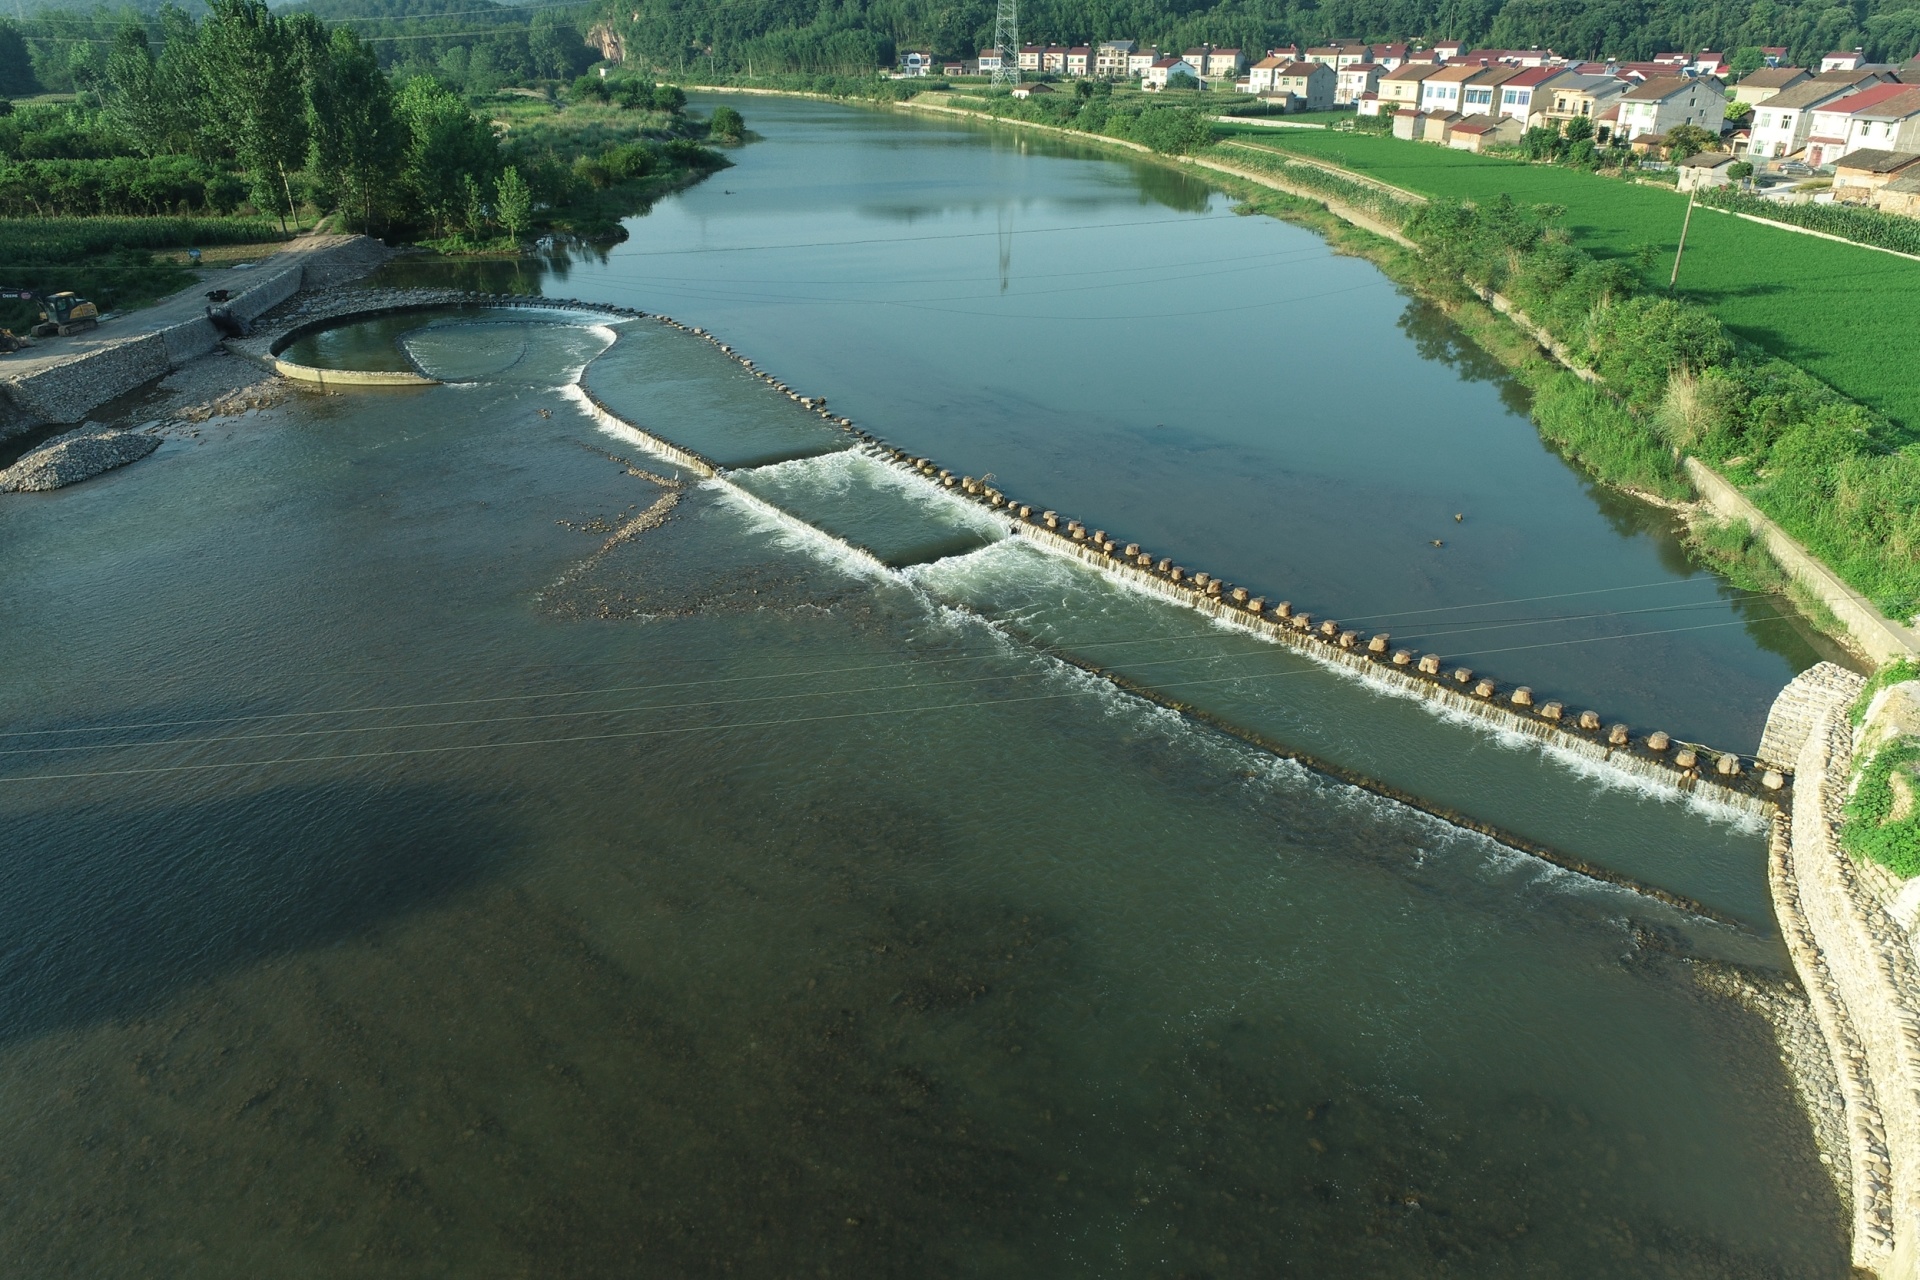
[1139, 61]
[1353, 81]
[1029, 90]
[1303, 86]
[1476, 133]
[1667, 102]
[1527, 96]
[988, 62]
[1709, 63]
[1080, 61]
[1902, 195]
[1767, 82]
[1886, 116]
[1053, 59]
[1441, 91]
[1583, 96]
[1110, 59]
[1782, 123]
[1389, 57]
[1225, 64]
[1030, 57]
[916, 63]
[1327, 55]
[1477, 96]
[1406, 124]
[1163, 69]
[1859, 175]
[1401, 86]
[1448, 50]
[1707, 169]
[968, 68]
[1286, 53]
[1844, 61]
[1367, 104]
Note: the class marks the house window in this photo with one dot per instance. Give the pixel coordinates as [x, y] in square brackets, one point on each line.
[1509, 96]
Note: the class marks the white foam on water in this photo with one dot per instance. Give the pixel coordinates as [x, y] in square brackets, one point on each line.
[794, 534]
[840, 472]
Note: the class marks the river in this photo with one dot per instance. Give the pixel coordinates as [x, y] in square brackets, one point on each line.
[419, 863]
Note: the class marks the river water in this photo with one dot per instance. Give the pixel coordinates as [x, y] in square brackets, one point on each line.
[444, 839]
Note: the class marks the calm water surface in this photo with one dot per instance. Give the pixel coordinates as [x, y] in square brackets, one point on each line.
[445, 841]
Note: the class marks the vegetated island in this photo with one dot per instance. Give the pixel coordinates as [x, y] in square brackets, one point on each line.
[232, 132]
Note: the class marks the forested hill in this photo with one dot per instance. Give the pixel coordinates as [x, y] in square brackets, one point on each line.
[853, 35]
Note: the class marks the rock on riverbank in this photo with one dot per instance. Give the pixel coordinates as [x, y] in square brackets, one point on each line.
[78, 455]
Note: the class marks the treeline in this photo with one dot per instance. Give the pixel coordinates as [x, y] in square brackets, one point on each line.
[776, 36]
[472, 46]
[1676, 381]
[279, 112]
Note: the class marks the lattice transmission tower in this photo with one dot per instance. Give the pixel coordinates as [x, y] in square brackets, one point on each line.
[1006, 38]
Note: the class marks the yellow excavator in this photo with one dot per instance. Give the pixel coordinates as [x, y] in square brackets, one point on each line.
[60, 313]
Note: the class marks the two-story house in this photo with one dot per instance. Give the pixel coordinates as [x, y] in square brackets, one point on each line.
[1528, 96]
[1400, 88]
[1783, 122]
[1304, 85]
[1883, 116]
[1440, 92]
[1354, 81]
[1163, 69]
[1767, 82]
[1664, 103]
[1079, 61]
[1479, 96]
[1110, 59]
[1583, 95]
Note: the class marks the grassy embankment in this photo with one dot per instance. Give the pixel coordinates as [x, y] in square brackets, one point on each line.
[1837, 311]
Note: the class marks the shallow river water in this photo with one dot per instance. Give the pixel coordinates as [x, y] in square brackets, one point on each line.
[446, 840]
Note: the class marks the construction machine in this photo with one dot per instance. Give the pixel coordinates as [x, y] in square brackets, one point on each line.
[61, 313]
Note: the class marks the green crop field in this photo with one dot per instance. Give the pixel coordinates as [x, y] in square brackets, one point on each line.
[1845, 314]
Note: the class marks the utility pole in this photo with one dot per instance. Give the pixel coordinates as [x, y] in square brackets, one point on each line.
[1685, 223]
[1006, 37]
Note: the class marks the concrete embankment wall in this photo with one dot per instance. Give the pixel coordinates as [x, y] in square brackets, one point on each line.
[1859, 971]
[68, 391]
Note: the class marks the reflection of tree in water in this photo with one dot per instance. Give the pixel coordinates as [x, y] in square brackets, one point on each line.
[535, 273]
[1436, 337]
[1177, 191]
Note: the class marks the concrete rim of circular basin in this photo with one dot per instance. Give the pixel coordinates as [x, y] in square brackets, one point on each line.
[352, 377]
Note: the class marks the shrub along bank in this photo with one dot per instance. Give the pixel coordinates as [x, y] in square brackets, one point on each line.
[1842, 479]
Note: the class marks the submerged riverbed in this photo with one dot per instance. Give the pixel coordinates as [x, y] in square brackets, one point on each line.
[446, 840]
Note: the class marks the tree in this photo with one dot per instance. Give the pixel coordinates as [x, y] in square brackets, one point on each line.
[1685, 140]
[357, 144]
[1747, 60]
[727, 124]
[247, 60]
[1740, 171]
[513, 201]
[16, 63]
[1182, 80]
[445, 144]
[1579, 129]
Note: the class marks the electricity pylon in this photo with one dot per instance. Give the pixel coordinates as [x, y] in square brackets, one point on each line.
[1006, 37]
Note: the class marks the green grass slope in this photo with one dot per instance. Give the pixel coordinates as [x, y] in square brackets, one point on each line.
[1845, 314]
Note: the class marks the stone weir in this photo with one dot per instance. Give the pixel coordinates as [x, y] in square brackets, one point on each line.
[1744, 782]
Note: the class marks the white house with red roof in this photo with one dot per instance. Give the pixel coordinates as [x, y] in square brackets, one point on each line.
[1840, 60]
[1884, 116]
[1528, 96]
[1156, 76]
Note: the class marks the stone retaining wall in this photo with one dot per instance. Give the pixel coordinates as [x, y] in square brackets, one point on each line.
[1858, 971]
[68, 391]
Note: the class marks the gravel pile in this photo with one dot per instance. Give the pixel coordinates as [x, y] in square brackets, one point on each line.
[76, 456]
